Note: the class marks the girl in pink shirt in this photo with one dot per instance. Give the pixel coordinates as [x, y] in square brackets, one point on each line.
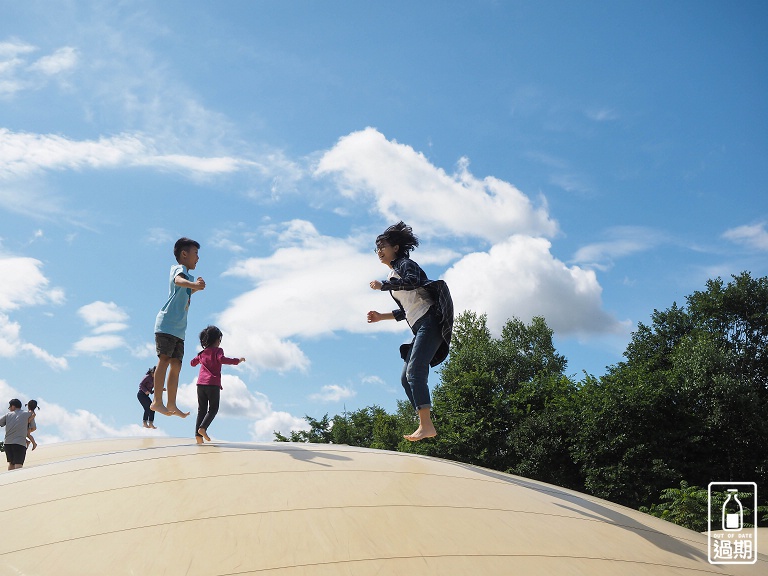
[210, 359]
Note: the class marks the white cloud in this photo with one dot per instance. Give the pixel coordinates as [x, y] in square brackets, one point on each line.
[622, 241]
[439, 256]
[99, 312]
[146, 350]
[520, 278]
[516, 277]
[159, 236]
[24, 284]
[12, 49]
[755, 236]
[110, 327]
[97, 344]
[332, 393]
[16, 74]
[61, 60]
[570, 183]
[22, 154]
[601, 254]
[405, 185]
[103, 318]
[292, 296]
[374, 380]
[11, 61]
[221, 239]
[54, 362]
[11, 345]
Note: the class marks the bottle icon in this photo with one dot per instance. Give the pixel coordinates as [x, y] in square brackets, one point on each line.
[733, 512]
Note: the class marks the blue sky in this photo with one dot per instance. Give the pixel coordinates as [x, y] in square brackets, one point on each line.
[588, 162]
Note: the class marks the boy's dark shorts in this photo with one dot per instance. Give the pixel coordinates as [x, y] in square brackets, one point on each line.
[167, 345]
[15, 453]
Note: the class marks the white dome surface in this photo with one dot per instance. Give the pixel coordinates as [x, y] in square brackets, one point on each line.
[170, 507]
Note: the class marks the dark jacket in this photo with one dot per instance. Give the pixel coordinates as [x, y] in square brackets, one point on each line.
[412, 277]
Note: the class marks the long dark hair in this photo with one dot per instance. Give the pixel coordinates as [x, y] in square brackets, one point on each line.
[400, 235]
[209, 336]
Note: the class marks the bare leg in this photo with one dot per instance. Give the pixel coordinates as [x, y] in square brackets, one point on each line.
[426, 428]
[157, 403]
[173, 388]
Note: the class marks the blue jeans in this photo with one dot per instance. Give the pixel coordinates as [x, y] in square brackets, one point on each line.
[427, 339]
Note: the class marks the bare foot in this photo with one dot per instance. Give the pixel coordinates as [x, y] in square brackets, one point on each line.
[34, 445]
[146, 425]
[174, 411]
[151, 425]
[202, 433]
[199, 439]
[160, 408]
[421, 433]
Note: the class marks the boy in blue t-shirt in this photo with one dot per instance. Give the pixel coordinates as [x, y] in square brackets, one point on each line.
[171, 325]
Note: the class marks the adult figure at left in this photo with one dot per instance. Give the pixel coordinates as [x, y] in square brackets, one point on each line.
[16, 424]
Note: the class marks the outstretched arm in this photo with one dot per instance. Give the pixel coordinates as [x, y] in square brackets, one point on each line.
[181, 281]
[374, 316]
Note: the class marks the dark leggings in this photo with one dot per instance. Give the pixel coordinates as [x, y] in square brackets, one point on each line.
[207, 406]
[149, 415]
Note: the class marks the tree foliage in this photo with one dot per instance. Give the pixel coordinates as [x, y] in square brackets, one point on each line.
[687, 404]
[504, 402]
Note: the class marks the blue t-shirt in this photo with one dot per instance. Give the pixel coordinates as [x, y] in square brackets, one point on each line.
[172, 318]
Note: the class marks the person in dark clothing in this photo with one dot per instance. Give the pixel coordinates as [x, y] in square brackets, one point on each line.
[427, 307]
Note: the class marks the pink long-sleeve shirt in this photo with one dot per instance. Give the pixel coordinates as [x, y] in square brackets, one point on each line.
[211, 360]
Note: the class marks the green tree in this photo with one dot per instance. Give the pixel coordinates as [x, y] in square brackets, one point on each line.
[503, 402]
[543, 435]
[318, 433]
[687, 404]
[686, 506]
[622, 421]
[369, 427]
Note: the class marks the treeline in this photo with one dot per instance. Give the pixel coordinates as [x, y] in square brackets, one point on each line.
[688, 406]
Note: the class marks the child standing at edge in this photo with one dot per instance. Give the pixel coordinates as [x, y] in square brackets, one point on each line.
[428, 309]
[32, 426]
[209, 386]
[171, 325]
